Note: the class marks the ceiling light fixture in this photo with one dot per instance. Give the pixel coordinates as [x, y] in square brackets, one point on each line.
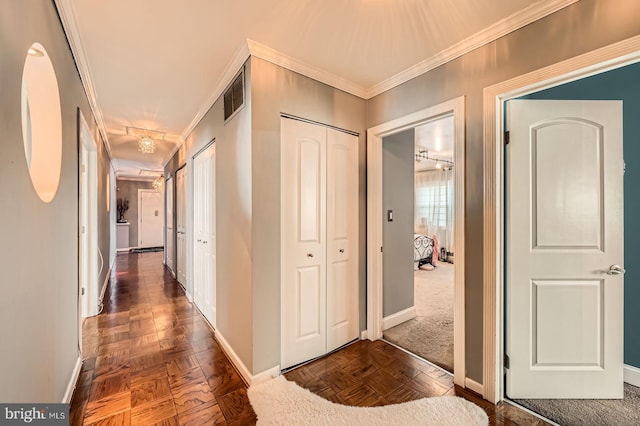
[146, 138]
[441, 163]
[158, 182]
[146, 145]
[35, 52]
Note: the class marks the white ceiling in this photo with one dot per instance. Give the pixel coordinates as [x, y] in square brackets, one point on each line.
[436, 137]
[159, 64]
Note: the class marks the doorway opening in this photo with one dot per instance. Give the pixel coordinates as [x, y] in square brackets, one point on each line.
[596, 62]
[90, 262]
[378, 216]
[425, 327]
[615, 88]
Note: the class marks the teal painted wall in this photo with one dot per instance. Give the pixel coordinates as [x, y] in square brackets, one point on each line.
[620, 84]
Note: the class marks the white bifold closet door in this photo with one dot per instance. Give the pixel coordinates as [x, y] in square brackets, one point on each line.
[181, 226]
[319, 186]
[204, 234]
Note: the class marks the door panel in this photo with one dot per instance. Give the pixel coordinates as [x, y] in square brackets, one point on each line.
[181, 225]
[342, 239]
[150, 218]
[303, 226]
[204, 232]
[564, 231]
[567, 201]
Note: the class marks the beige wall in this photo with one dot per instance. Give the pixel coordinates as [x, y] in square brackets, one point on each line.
[39, 254]
[233, 212]
[277, 90]
[129, 189]
[579, 28]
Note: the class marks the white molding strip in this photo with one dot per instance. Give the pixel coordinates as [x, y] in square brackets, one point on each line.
[632, 375]
[474, 386]
[106, 282]
[73, 380]
[233, 357]
[501, 28]
[363, 335]
[239, 58]
[398, 318]
[70, 25]
[597, 61]
[289, 62]
[248, 378]
[265, 375]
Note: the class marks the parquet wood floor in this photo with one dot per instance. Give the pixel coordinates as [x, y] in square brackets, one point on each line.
[151, 358]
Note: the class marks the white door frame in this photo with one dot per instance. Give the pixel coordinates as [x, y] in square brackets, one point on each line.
[88, 291]
[375, 221]
[595, 62]
[169, 198]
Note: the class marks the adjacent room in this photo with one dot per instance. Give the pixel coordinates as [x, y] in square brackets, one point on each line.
[429, 334]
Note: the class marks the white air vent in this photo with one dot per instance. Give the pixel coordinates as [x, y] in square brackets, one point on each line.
[234, 96]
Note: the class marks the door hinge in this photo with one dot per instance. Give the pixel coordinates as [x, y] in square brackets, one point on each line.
[506, 361]
[82, 294]
[380, 249]
[507, 137]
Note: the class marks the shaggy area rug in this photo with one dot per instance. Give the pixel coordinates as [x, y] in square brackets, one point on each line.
[281, 402]
[430, 334]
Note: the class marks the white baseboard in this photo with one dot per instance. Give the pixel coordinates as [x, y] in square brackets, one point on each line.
[266, 375]
[242, 369]
[71, 386]
[398, 318]
[186, 293]
[363, 335]
[474, 386]
[632, 375]
[104, 284]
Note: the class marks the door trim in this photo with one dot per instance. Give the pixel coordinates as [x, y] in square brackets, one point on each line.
[88, 250]
[595, 62]
[375, 221]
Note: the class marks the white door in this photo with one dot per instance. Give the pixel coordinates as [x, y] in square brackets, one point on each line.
[342, 238]
[204, 252]
[169, 243]
[150, 218]
[181, 226]
[304, 246]
[564, 242]
[319, 187]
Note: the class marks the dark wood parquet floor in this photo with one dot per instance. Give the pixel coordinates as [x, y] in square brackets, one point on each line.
[151, 358]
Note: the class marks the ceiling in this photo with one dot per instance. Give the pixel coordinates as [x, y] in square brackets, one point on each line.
[160, 64]
[435, 137]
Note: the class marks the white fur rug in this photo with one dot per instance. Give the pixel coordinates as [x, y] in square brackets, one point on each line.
[281, 402]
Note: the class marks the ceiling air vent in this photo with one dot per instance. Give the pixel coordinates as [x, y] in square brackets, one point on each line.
[234, 96]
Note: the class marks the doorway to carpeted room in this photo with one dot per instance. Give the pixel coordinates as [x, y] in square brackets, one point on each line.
[430, 334]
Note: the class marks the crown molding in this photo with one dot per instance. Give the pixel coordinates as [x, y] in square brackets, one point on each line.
[501, 28]
[239, 58]
[289, 62]
[67, 15]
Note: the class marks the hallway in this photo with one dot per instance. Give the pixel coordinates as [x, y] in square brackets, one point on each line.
[150, 357]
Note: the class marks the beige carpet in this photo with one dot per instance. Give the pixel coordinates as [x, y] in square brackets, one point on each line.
[280, 402]
[430, 334]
